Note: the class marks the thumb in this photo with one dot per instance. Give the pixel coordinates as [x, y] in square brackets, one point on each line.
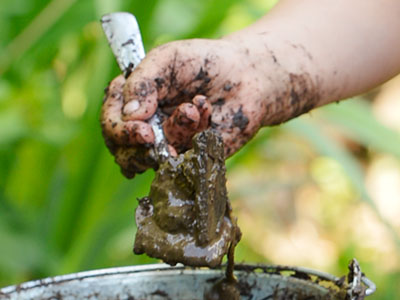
[166, 74]
[140, 97]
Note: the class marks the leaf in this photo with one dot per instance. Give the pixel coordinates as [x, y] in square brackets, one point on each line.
[20, 252]
[355, 119]
[12, 126]
[214, 13]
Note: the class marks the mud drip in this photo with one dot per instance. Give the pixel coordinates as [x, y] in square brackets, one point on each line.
[228, 286]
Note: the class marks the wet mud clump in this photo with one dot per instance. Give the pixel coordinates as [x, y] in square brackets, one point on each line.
[187, 216]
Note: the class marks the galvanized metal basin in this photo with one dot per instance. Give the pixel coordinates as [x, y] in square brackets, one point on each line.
[156, 282]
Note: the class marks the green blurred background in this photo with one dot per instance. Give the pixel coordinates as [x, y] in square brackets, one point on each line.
[315, 192]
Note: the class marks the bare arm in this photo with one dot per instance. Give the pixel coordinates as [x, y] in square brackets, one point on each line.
[347, 47]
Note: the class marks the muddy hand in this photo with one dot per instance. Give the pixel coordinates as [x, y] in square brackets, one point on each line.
[195, 84]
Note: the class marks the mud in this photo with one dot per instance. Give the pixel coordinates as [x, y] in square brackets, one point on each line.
[134, 160]
[240, 120]
[179, 91]
[301, 97]
[219, 102]
[187, 216]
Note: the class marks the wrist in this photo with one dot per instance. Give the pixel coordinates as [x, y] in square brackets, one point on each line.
[286, 71]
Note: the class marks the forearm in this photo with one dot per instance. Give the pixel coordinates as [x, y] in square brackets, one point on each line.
[345, 47]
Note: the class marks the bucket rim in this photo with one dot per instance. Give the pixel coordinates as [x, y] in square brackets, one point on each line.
[279, 270]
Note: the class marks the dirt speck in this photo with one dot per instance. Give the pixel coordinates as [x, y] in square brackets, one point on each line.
[220, 101]
[240, 120]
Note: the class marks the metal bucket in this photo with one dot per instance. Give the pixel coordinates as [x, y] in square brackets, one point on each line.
[156, 282]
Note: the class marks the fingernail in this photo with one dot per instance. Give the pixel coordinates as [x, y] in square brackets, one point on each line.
[131, 107]
[199, 100]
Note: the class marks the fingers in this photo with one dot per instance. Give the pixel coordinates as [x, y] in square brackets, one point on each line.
[138, 132]
[140, 98]
[205, 109]
[181, 126]
[186, 121]
[147, 84]
[169, 75]
[111, 109]
[123, 125]
[122, 132]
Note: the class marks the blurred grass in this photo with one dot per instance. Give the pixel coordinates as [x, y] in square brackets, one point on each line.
[65, 207]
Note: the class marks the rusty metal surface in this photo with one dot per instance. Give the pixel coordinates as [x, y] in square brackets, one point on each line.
[155, 282]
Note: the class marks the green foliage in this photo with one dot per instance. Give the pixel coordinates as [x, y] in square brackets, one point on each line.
[64, 206]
